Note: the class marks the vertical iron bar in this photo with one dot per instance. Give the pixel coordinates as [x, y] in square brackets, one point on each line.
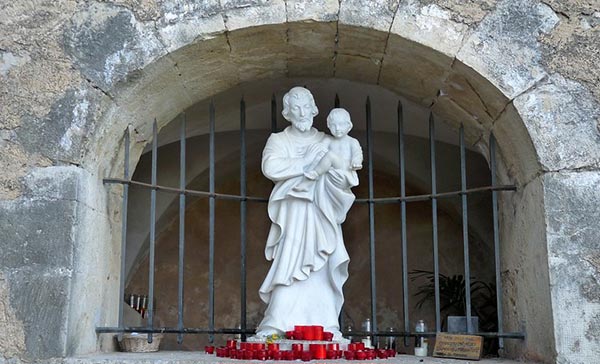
[182, 183]
[371, 218]
[434, 219]
[152, 230]
[336, 101]
[496, 241]
[465, 227]
[273, 114]
[243, 214]
[403, 218]
[124, 231]
[211, 228]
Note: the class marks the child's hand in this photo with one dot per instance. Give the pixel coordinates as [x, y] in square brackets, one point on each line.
[356, 165]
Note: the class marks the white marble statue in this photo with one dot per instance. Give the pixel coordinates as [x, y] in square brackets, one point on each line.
[305, 243]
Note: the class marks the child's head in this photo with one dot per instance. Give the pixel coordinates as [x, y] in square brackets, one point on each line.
[338, 122]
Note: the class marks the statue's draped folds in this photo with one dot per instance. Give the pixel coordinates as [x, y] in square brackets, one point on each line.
[305, 243]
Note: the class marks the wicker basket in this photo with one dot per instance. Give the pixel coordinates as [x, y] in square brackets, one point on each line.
[138, 343]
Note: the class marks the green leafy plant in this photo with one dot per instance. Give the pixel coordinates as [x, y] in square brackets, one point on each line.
[453, 299]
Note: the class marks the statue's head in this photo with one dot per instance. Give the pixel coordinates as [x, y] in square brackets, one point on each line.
[339, 122]
[299, 108]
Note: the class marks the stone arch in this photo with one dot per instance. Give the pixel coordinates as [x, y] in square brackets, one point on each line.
[489, 79]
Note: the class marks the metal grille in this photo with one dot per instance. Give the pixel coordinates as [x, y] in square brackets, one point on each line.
[371, 201]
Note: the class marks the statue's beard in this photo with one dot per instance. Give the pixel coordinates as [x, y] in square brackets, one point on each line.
[303, 125]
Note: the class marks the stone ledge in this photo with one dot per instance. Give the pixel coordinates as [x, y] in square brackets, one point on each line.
[186, 357]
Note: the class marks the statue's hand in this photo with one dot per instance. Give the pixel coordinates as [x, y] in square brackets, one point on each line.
[319, 149]
[356, 165]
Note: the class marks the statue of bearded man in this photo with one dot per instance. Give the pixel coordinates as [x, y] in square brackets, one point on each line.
[305, 242]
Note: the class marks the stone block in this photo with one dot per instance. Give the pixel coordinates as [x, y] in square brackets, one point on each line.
[454, 115]
[429, 25]
[572, 215]
[504, 47]
[377, 15]
[413, 70]
[251, 13]
[561, 117]
[259, 52]
[359, 53]
[524, 272]
[515, 147]
[312, 10]
[60, 134]
[41, 300]
[107, 43]
[36, 233]
[476, 95]
[182, 32]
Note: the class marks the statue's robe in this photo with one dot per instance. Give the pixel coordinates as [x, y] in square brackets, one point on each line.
[305, 243]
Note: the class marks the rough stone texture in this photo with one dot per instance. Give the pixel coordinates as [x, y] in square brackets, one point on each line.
[572, 48]
[467, 12]
[504, 47]
[248, 13]
[107, 43]
[12, 336]
[516, 148]
[572, 215]
[75, 74]
[430, 25]
[377, 15]
[312, 10]
[561, 118]
[524, 272]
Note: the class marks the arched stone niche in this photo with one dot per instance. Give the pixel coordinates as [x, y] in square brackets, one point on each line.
[483, 70]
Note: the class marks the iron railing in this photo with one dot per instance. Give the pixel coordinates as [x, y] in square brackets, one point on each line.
[402, 200]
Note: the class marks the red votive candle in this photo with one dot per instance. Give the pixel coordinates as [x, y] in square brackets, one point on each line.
[360, 346]
[327, 336]
[258, 346]
[331, 354]
[349, 355]
[391, 353]
[308, 332]
[333, 346]
[317, 332]
[262, 354]
[306, 356]
[273, 347]
[298, 335]
[209, 349]
[289, 335]
[371, 354]
[318, 351]
[248, 354]
[360, 355]
[288, 355]
[296, 347]
[231, 343]
[352, 347]
[382, 354]
[277, 355]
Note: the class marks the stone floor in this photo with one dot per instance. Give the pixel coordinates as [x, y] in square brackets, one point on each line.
[173, 357]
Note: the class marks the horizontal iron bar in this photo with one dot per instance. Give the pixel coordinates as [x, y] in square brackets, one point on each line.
[219, 196]
[195, 330]
[382, 200]
[172, 330]
[437, 195]
[509, 335]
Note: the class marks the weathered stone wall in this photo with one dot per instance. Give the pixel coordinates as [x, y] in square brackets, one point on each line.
[75, 74]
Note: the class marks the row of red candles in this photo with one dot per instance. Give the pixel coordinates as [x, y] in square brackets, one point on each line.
[258, 351]
[309, 332]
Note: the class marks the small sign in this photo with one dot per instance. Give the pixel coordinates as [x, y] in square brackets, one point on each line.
[458, 346]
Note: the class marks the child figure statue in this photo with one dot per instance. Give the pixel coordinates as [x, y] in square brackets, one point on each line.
[344, 152]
